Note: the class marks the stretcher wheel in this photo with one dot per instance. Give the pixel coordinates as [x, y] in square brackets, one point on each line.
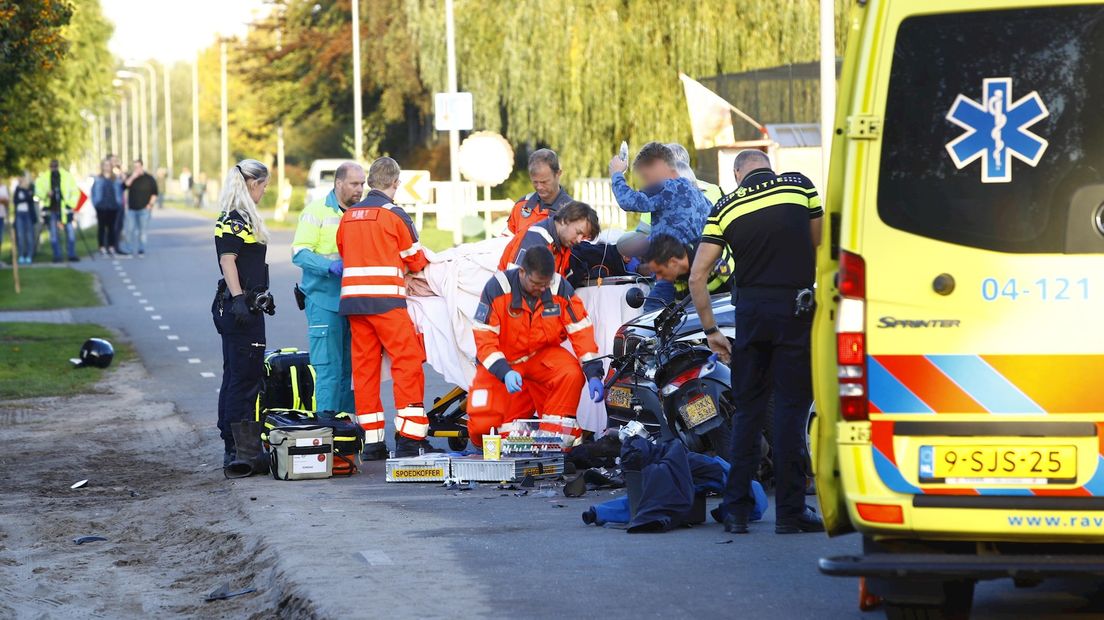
[867, 601]
[458, 444]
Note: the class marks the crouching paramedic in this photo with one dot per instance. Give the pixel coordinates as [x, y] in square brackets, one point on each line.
[314, 250]
[571, 224]
[524, 316]
[378, 244]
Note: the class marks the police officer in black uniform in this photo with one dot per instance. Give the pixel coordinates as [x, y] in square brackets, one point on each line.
[240, 244]
[771, 223]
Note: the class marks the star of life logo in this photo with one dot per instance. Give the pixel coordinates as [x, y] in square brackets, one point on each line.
[997, 130]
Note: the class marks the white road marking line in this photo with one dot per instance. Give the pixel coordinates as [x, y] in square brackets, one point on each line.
[183, 349]
[155, 317]
[149, 308]
[143, 301]
[173, 337]
[207, 375]
[131, 287]
[137, 294]
[163, 327]
[125, 280]
[194, 360]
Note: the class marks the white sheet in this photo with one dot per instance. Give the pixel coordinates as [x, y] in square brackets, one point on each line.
[457, 276]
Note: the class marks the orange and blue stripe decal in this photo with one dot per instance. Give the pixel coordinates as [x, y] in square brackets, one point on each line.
[998, 384]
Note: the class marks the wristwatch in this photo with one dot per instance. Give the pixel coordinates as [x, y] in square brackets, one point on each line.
[711, 330]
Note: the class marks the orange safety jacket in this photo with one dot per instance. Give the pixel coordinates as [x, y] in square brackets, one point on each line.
[540, 234]
[510, 326]
[378, 245]
[531, 209]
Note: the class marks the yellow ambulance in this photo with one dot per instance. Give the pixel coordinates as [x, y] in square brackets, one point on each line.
[958, 347]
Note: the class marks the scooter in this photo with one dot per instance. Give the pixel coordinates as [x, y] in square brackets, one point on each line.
[666, 378]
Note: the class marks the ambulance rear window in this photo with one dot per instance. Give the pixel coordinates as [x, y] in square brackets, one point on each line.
[994, 130]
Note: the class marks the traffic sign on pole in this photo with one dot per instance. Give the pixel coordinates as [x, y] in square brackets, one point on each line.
[453, 111]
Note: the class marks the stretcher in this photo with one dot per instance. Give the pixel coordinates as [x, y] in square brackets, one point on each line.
[443, 301]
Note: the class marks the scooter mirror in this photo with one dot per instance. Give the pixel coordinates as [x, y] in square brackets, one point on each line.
[634, 297]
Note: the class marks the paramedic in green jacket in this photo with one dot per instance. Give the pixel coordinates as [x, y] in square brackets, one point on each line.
[57, 195]
[314, 250]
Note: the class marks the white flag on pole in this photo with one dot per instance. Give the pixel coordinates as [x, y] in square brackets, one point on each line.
[710, 115]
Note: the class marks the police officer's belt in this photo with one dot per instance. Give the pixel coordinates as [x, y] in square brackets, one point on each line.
[764, 293]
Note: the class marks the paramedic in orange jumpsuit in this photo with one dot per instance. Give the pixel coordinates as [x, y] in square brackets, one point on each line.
[571, 224]
[524, 316]
[378, 245]
[547, 196]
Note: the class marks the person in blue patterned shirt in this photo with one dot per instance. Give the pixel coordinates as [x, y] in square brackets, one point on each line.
[677, 206]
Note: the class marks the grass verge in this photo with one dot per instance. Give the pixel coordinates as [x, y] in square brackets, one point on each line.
[47, 288]
[34, 359]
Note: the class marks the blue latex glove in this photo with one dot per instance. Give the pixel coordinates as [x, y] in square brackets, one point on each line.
[632, 265]
[337, 267]
[597, 390]
[513, 382]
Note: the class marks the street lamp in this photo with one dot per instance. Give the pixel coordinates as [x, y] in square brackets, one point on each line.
[114, 130]
[195, 117]
[129, 110]
[144, 119]
[358, 118]
[224, 134]
[155, 153]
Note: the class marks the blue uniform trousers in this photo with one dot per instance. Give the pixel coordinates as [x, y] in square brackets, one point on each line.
[770, 355]
[329, 339]
[243, 349]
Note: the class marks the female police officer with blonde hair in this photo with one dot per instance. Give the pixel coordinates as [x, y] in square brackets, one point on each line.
[240, 243]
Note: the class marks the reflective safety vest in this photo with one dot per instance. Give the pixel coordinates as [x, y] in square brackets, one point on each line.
[314, 248]
[379, 245]
[720, 276]
[508, 330]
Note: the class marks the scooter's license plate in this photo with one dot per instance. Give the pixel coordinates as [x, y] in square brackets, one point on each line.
[620, 397]
[699, 411]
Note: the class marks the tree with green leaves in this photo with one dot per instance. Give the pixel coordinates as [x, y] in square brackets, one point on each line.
[53, 63]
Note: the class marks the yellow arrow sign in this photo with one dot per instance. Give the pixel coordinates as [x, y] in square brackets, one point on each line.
[414, 187]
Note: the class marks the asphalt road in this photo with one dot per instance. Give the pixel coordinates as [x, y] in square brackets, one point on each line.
[477, 552]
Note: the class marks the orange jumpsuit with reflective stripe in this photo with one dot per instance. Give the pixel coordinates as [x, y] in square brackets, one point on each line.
[516, 332]
[542, 233]
[378, 245]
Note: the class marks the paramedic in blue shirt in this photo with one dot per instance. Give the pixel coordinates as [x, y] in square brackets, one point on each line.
[314, 250]
[677, 206]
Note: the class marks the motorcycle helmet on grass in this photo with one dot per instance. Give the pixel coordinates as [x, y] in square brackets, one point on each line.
[94, 352]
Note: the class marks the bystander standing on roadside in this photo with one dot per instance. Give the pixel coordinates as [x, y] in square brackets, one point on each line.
[5, 200]
[57, 193]
[25, 217]
[186, 185]
[162, 187]
[107, 199]
[141, 196]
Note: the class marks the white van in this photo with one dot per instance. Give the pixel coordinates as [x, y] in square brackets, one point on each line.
[320, 179]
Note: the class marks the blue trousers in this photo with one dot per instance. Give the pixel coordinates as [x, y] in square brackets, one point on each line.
[663, 293]
[330, 354]
[243, 348]
[25, 234]
[52, 223]
[770, 354]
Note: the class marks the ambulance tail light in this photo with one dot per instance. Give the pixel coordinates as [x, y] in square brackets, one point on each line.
[851, 338]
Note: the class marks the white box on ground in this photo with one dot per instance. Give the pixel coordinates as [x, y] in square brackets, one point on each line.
[427, 468]
[508, 469]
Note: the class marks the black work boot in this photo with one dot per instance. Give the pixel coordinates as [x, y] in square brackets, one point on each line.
[736, 524]
[374, 452]
[250, 457]
[807, 521]
[405, 446]
[227, 457]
